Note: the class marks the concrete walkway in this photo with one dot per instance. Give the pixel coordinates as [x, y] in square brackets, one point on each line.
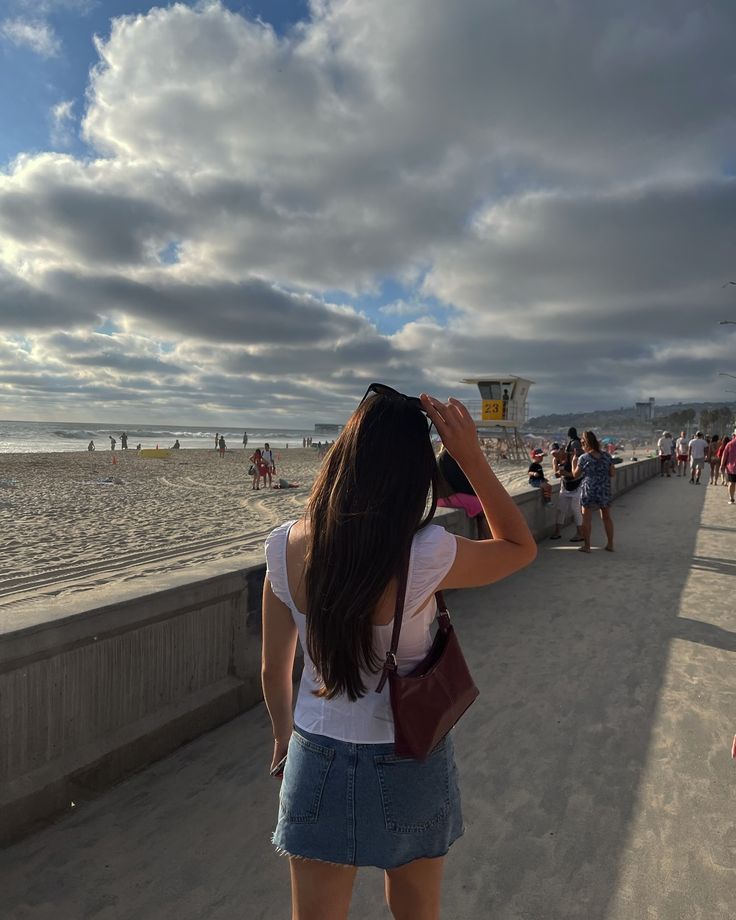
[595, 766]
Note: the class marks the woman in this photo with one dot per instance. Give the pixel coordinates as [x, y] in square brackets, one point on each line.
[714, 459]
[597, 469]
[346, 799]
[454, 491]
[719, 455]
[258, 469]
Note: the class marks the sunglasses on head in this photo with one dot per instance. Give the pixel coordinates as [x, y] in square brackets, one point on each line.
[380, 389]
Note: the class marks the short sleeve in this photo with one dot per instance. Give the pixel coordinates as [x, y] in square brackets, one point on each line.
[276, 562]
[432, 555]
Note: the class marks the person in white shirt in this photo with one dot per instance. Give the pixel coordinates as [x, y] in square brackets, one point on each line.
[697, 450]
[333, 579]
[681, 452]
[664, 449]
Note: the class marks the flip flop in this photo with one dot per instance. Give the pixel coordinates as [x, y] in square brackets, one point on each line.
[577, 539]
[556, 536]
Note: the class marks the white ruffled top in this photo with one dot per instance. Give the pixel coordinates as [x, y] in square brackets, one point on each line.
[368, 720]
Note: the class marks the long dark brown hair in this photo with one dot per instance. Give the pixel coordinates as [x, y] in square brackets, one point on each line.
[367, 503]
[591, 441]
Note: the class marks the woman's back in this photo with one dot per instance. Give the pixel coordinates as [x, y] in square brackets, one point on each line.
[368, 719]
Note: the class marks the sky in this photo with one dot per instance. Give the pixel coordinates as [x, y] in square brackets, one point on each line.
[248, 211]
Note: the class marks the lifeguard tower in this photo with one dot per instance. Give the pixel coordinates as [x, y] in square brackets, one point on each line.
[500, 412]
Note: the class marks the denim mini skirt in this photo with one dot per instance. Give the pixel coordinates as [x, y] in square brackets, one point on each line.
[362, 805]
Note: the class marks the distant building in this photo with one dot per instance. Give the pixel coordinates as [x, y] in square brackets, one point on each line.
[645, 410]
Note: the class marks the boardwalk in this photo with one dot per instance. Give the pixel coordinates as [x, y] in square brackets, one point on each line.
[595, 766]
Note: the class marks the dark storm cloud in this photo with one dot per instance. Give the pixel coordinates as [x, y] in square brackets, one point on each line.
[24, 306]
[102, 227]
[252, 312]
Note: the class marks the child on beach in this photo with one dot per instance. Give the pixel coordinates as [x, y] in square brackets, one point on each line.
[537, 479]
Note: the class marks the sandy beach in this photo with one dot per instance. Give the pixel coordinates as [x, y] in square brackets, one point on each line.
[70, 531]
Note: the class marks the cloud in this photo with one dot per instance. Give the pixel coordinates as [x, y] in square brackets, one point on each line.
[532, 173]
[37, 35]
[403, 308]
[62, 120]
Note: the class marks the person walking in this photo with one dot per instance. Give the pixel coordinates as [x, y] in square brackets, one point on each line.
[245, 439]
[217, 440]
[664, 449]
[681, 452]
[221, 444]
[124, 441]
[719, 454]
[113, 442]
[696, 451]
[91, 446]
[714, 461]
[596, 468]
[728, 466]
[346, 799]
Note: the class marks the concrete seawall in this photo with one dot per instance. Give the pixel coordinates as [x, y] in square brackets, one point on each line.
[89, 693]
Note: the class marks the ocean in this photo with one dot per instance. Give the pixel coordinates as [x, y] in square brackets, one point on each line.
[42, 437]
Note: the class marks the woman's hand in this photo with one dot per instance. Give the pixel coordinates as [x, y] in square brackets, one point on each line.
[456, 428]
[279, 753]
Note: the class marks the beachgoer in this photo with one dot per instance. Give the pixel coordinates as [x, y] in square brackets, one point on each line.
[454, 491]
[137, 446]
[537, 478]
[285, 484]
[713, 458]
[217, 440]
[221, 445]
[505, 402]
[245, 439]
[113, 442]
[597, 469]
[124, 441]
[568, 500]
[728, 466]
[176, 445]
[331, 582]
[91, 446]
[719, 454]
[267, 455]
[681, 450]
[696, 451]
[664, 449]
[258, 469]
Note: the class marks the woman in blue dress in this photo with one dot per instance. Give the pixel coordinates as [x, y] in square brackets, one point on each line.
[597, 469]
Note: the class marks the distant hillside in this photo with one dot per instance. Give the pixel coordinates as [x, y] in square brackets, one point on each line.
[618, 419]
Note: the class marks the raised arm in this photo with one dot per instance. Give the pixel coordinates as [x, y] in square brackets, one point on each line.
[512, 546]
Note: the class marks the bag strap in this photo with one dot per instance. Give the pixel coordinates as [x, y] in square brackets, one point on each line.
[390, 664]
